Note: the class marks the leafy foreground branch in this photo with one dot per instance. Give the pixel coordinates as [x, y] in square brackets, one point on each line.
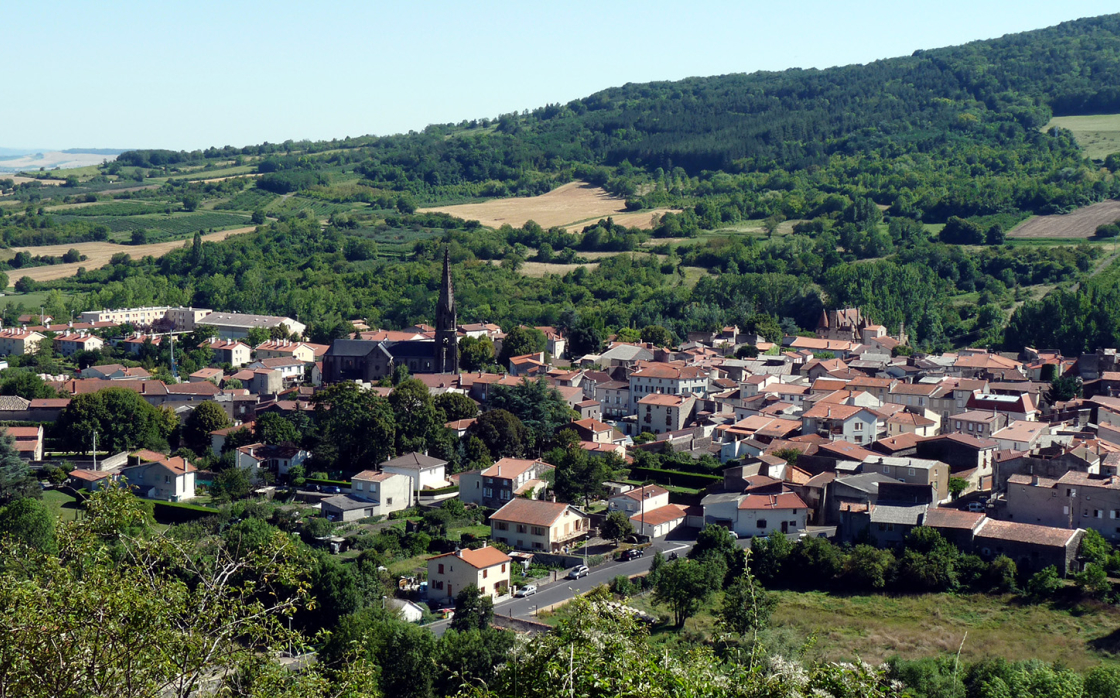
[122, 611]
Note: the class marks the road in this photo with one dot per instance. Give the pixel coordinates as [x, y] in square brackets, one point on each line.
[565, 589]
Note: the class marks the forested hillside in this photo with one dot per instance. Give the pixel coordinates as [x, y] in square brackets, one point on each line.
[899, 180]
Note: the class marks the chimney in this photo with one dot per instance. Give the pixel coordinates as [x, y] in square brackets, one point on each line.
[458, 552]
[554, 498]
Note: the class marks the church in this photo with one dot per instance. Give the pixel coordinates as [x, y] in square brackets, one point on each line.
[370, 361]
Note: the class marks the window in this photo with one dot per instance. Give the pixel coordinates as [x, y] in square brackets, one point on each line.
[503, 568]
[886, 470]
[521, 528]
[440, 568]
[485, 574]
[1098, 514]
[538, 531]
[910, 471]
[858, 426]
[762, 523]
[501, 525]
[389, 501]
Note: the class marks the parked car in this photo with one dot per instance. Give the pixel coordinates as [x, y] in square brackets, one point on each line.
[333, 489]
[631, 554]
[527, 590]
[578, 571]
[976, 506]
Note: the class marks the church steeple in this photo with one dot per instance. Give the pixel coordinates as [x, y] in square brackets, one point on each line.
[447, 344]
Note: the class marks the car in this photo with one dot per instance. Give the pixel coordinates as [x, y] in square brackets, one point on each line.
[631, 554]
[333, 489]
[976, 506]
[527, 590]
[578, 571]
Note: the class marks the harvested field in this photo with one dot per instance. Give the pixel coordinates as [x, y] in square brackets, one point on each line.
[99, 254]
[640, 219]
[24, 180]
[573, 205]
[1082, 223]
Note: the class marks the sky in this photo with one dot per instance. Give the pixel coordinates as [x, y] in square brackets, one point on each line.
[187, 75]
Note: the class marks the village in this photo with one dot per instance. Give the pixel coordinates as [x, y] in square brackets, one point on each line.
[845, 434]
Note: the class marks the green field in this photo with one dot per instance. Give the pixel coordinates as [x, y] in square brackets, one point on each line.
[162, 225]
[1098, 135]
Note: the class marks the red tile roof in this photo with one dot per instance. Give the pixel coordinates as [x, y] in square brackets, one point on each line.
[481, 558]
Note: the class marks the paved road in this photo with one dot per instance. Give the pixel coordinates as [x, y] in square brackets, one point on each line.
[564, 589]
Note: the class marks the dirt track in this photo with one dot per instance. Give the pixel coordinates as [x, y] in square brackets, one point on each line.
[99, 254]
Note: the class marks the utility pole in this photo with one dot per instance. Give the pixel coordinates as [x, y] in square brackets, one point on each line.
[95, 450]
[174, 368]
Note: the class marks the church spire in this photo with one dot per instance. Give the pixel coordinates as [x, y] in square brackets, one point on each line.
[447, 341]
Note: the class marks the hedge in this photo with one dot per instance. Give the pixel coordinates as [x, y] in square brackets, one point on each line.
[675, 477]
[178, 512]
[439, 491]
[339, 483]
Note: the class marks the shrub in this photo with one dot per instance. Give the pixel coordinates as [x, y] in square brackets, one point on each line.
[622, 586]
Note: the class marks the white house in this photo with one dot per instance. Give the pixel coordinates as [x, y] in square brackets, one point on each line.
[756, 514]
[426, 473]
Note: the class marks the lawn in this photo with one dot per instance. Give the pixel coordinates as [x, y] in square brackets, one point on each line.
[876, 627]
[31, 301]
[64, 507]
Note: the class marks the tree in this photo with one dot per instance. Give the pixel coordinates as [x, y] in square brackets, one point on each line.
[275, 428]
[72, 255]
[747, 351]
[768, 557]
[191, 202]
[868, 568]
[139, 237]
[616, 526]
[502, 433]
[26, 384]
[26, 284]
[1103, 681]
[455, 406]
[258, 217]
[415, 416]
[473, 610]
[207, 417]
[257, 336]
[475, 353]
[746, 606]
[1044, 584]
[685, 584]
[472, 657]
[232, 484]
[1094, 548]
[171, 613]
[521, 341]
[356, 426]
[538, 405]
[957, 485]
[1063, 389]
[29, 522]
[579, 475]
[122, 419]
[657, 336]
[995, 235]
[16, 478]
[3, 281]
[1093, 581]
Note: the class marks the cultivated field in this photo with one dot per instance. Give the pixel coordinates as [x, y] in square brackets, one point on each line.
[54, 159]
[1082, 223]
[99, 254]
[24, 180]
[1098, 135]
[573, 205]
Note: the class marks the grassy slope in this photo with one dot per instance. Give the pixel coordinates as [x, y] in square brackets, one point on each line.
[876, 627]
[1098, 135]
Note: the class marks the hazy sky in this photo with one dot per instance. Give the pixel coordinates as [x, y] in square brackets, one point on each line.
[184, 75]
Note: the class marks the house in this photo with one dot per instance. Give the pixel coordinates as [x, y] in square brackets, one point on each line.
[28, 441]
[756, 513]
[593, 430]
[667, 380]
[460, 426]
[502, 482]
[1018, 407]
[1031, 547]
[228, 351]
[1020, 436]
[112, 372]
[214, 375]
[967, 456]
[649, 510]
[156, 476]
[555, 343]
[589, 409]
[287, 349]
[291, 370]
[372, 493]
[71, 343]
[406, 610]
[18, 341]
[658, 413]
[237, 325]
[423, 471]
[839, 422]
[135, 343]
[528, 365]
[905, 422]
[280, 458]
[614, 397]
[486, 568]
[1074, 500]
[91, 480]
[981, 424]
[531, 524]
[933, 473]
[264, 381]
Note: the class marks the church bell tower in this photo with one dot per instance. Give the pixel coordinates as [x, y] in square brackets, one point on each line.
[447, 346]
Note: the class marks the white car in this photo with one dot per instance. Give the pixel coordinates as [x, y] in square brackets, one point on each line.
[527, 590]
